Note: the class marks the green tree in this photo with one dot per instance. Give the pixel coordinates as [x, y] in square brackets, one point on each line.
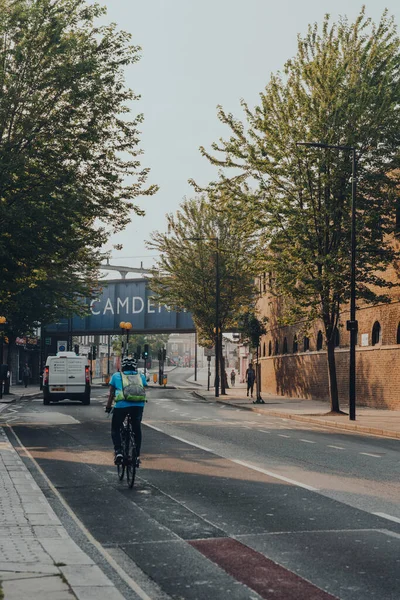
[342, 88]
[69, 156]
[184, 276]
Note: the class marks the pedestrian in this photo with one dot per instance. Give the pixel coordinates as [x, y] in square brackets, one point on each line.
[250, 379]
[26, 374]
[233, 377]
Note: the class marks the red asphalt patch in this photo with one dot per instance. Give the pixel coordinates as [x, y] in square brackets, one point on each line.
[269, 580]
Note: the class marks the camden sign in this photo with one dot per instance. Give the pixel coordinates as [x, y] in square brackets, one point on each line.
[126, 300]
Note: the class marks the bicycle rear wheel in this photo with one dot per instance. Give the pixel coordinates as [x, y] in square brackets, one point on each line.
[121, 467]
[131, 460]
[121, 471]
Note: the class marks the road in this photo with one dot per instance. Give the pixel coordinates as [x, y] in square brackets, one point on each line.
[228, 503]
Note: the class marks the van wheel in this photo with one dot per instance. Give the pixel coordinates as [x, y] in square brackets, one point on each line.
[86, 399]
[46, 401]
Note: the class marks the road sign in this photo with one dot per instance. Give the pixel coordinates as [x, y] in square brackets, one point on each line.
[61, 346]
[209, 351]
[48, 341]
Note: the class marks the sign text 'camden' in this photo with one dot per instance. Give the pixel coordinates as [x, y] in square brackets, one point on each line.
[127, 300]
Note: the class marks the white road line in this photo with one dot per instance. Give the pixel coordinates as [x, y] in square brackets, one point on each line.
[308, 441]
[239, 462]
[152, 427]
[274, 475]
[336, 447]
[281, 435]
[263, 431]
[368, 454]
[388, 517]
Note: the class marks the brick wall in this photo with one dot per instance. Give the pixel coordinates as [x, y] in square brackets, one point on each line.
[305, 374]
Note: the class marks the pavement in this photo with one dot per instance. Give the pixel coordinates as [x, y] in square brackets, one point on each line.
[373, 421]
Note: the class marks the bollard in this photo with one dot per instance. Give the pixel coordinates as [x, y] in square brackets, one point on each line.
[154, 377]
[165, 380]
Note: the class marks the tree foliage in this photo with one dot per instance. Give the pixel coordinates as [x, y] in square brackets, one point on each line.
[68, 146]
[342, 88]
[185, 274]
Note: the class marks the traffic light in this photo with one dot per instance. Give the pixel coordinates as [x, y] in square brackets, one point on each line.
[145, 354]
[164, 354]
[138, 352]
[94, 353]
[159, 356]
[76, 348]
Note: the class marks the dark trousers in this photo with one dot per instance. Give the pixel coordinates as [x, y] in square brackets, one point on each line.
[118, 418]
[26, 380]
[250, 386]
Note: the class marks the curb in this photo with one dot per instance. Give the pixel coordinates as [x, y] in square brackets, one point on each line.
[305, 419]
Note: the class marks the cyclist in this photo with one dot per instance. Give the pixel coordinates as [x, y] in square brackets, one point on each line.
[127, 389]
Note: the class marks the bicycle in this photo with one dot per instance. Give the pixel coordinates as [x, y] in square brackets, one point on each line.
[129, 453]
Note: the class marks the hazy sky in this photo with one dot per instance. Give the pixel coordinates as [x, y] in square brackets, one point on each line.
[197, 54]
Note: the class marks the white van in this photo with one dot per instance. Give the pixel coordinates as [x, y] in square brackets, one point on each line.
[66, 376]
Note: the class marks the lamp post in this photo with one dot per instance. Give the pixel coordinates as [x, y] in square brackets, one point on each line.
[217, 328]
[125, 328]
[352, 324]
[3, 323]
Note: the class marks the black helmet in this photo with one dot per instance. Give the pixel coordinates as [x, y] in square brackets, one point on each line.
[128, 364]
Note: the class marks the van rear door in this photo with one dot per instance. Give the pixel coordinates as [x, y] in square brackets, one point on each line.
[76, 380]
[57, 374]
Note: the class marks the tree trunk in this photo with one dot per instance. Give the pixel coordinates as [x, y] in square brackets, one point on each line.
[332, 377]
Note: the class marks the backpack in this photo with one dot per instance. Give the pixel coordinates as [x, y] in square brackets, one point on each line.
[132, 388]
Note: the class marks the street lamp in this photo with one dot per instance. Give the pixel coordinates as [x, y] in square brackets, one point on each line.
[352, 324]
[125, 327]
[217, 328]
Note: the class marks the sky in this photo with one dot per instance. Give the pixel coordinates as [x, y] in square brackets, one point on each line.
[197, 54]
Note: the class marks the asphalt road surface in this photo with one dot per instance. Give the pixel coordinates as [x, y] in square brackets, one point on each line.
[227, 503]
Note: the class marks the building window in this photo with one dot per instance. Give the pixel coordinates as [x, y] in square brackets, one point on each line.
[276, 347]
[295, 345]
[306, 343]
[398, 334]
[264, 349]
[336, 337]
[319, 340]
[269, 348]
[376, 333]
[285, 350]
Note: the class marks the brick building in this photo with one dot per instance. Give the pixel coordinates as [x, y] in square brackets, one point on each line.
[294, 360]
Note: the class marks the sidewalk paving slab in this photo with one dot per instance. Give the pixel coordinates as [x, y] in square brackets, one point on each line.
[38, 559]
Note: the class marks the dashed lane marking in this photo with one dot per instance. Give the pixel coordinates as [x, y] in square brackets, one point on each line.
[240, 462]
[368, 454]
[308, 441]
[336, 447]
[282, 435]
